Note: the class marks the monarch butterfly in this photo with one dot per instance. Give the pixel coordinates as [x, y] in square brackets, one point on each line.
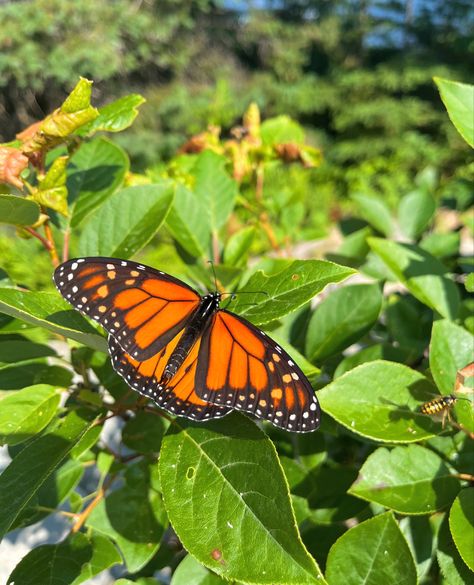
[180, 349]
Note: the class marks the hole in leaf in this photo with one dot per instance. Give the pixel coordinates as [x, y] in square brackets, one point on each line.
[190, 473]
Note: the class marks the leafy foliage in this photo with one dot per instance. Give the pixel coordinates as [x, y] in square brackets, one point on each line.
[379, 494]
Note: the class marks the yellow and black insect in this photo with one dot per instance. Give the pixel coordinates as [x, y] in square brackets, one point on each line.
[439, 405]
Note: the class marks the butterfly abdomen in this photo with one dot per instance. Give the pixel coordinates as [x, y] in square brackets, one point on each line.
[208, 306]
[438, 405]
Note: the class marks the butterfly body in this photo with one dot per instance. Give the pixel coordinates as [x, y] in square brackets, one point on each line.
[198, 322]
[180, 349]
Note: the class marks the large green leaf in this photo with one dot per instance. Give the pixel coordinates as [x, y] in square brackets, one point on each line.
[34, 464]
[26, 412]
[50, 311]
[189, 223]
[450, 350]
[375, 211]
[214, 188]
[381, 400]
[461, 523]
[228, 501]
[372, 553]
[95, 171]
[138, 531]
[409, 480]
[71, 562]
[423, 275]
[341, 319]
[459, 101]
[284, 291]
[126, 221]
[18, 210]
[415, 212]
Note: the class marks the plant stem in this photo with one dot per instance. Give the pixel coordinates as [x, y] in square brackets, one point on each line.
[52, 250]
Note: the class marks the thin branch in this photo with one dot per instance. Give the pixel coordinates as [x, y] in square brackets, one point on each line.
[52, 250]
[82, 517]
[38, 236]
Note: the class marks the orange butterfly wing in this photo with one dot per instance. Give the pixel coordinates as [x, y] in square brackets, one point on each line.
[141, 307]
[240, 367]
[177, 396]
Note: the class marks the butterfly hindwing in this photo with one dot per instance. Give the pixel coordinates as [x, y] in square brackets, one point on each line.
[177, 396]
[240, 367]
[141, 307]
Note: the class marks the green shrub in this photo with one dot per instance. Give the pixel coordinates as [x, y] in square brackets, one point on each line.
[379, 494]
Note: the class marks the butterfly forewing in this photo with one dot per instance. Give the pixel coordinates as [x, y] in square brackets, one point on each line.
[141, 307]
[241, 367]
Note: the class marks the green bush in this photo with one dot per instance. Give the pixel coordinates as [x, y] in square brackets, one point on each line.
[379, 494]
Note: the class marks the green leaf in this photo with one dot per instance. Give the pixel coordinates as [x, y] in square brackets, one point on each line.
[408, 322]
[214, 188]
[52, 191]
[12, 351]
[355, 244]
[420, 532]
[50, 311]
[26, 412]
[459, 101]
[143, 433]
[137, 532]
[127, 221]
[423, 275]
[373, 552]
[441, 245]
[379, 351]
[18, 210]
[238, 246]
[415, 212]
[341, 319]
[70, 562]
[104, 556]
[116, 116]
[288, 289]
[190, 572]
[409, 480]
[451, 564]
[95, 171]
[228, 501]
[450, 351]
[34, 464]
[470, 283]
[51, 494]
[189, 223]
[73, 113]
[381, 400]
[281, 130]
[59, 563]
[375, 211]
[461, 523]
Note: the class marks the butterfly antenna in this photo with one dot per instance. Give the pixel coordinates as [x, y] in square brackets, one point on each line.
[214, 273]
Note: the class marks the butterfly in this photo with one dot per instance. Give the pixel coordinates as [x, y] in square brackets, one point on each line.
[182, 350]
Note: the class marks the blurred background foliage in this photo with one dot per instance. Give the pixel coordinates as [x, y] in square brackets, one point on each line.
[357, 74]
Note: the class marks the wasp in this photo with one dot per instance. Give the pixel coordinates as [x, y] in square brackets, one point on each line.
[440, 405]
